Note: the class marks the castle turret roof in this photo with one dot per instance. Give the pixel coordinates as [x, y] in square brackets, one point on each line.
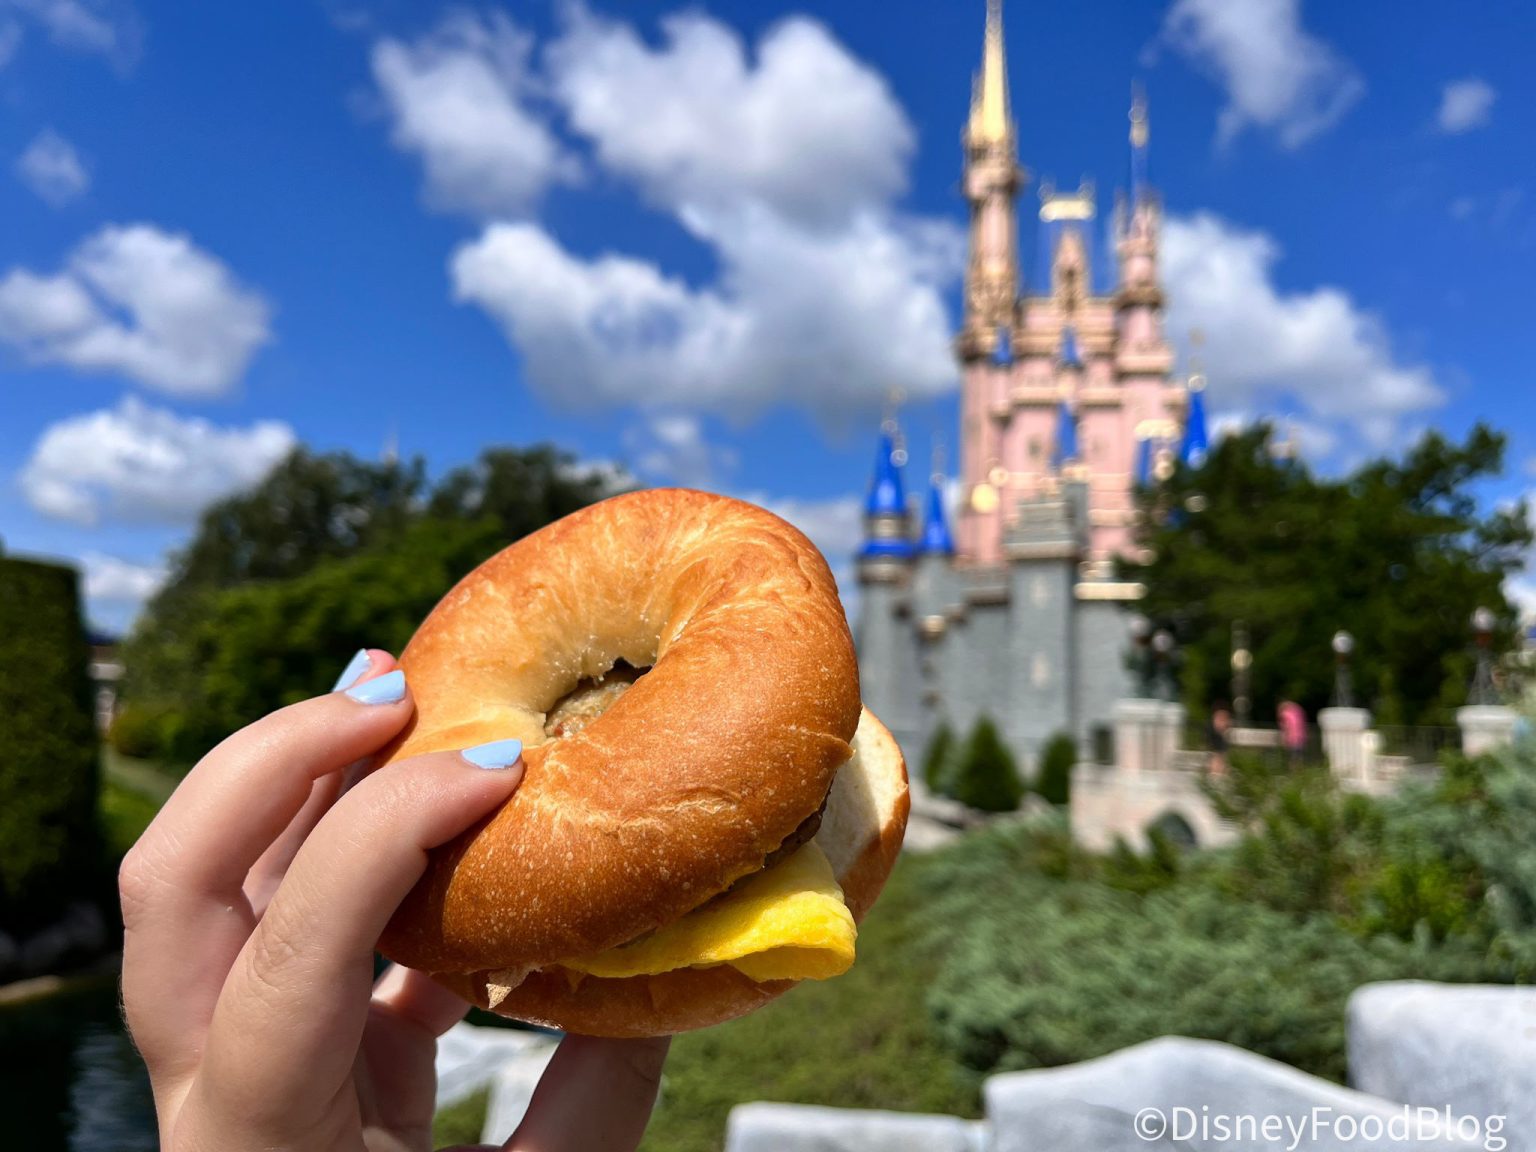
[1002, 354]
[1196, 442]
[936, 537]
[1066, 435]
[1144, 451]
[1070, 357]
[887, 497]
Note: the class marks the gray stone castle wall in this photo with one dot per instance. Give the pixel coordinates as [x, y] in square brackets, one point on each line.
[940, 642]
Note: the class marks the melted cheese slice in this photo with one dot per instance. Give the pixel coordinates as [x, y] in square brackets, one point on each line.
[786, 923]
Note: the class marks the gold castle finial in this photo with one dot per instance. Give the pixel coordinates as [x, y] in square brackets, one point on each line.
[1139, 124]
[989, 123]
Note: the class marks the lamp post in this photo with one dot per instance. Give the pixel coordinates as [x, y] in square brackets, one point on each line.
[1484, 691]
[1140, 631]
[1343, 649]
[1162, 656]
[1242, 662]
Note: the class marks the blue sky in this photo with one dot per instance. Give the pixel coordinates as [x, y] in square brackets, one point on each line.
[703, 241]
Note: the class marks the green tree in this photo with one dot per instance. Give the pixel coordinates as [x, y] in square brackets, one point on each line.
[939, 761]
[329, 554]
[1054, 780]
[1399, 553]
[985, 774]
[308, 509]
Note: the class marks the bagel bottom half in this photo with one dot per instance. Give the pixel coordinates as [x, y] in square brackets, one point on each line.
[860, 835]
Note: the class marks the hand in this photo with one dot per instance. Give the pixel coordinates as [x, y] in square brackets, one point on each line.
[251, 906]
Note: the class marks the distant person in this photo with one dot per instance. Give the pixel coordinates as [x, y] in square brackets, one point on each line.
[1218, 733]
[1293, 730]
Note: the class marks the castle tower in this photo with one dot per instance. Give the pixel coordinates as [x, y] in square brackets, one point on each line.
[992, 180]
[1084, 337]
[1145, 359]
[887, 659]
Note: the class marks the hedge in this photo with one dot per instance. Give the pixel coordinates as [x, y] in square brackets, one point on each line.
[49, 774]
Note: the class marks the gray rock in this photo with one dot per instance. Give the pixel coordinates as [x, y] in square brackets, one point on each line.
[86, 927]
[801, 1128]
[469, 1057]
[1470, 1048]
[43, 951]
[1194, 1094]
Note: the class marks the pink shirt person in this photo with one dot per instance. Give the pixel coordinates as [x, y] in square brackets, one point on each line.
[1293, 726]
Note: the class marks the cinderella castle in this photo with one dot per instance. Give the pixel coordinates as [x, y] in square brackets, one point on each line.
[1007, 603]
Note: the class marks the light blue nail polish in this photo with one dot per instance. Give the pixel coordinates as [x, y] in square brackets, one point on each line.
[387, 689]
[354, 670]
[497, 754]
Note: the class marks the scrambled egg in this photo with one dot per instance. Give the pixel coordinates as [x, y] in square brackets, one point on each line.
[788, 922]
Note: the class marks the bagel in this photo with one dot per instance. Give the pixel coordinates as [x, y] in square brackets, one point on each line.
[706, 809]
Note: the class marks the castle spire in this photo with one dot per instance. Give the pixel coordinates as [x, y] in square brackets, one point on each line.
[1140, 135]
[990, 122]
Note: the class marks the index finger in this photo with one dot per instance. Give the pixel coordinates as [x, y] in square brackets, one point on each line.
[240, 797]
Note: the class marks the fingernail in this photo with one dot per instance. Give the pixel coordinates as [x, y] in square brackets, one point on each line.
[354, 670]
[498, 754]
[387, 689]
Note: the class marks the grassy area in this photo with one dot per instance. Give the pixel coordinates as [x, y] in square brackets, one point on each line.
[125, 813]
[131, 793]
[461, 1123]
[143, 776]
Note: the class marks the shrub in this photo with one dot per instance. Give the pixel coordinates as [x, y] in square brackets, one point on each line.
[1042, 973]
[1455, 862]
[140, 732]
[939, 761]
[1054, 780]
[49, 842]
[985, 775]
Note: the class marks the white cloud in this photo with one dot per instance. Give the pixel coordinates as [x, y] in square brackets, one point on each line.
[143, 303]
[107, 28]
[117, 581]
[783, 163]
[804, 128]
[53, 169]
[458, 99]
[1465, 105]
[674, 448]
[830, 322]
[139, 463]
[1316, 348]
[1276, 74]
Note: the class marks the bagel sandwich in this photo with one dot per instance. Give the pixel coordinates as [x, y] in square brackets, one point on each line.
[707, 810]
